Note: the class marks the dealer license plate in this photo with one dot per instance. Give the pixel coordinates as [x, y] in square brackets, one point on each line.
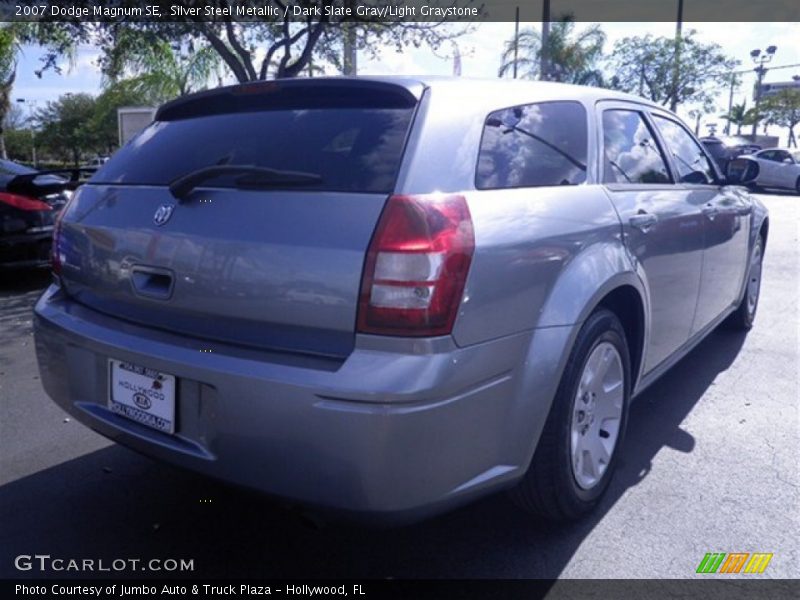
[143, 395]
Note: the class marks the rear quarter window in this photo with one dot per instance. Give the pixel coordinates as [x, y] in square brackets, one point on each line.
[542, 144]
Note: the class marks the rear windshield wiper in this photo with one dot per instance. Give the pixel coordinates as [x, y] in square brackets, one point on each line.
[249, 176]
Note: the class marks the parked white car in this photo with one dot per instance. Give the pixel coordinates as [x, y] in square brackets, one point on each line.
[778, 168]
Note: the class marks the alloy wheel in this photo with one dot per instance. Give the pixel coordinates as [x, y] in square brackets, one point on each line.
[596, 415]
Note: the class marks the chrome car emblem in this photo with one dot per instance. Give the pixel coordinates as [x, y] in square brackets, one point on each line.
[163, 214]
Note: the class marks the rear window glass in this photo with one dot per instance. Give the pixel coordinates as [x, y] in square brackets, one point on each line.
[351, 149]
[534, 145]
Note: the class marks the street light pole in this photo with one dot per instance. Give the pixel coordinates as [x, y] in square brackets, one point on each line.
[676, 66]
[760, 59]
[516, 41]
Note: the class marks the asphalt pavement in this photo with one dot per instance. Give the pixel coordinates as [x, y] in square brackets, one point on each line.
[710, 465]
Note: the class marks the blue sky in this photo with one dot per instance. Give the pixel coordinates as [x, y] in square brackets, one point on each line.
[480, 52]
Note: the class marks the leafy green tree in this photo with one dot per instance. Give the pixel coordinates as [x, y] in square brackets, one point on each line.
[65, 127]
[646, 65]
[783, 109]
[572, 55]
[103, 130]
[260, 48]
[19, 145]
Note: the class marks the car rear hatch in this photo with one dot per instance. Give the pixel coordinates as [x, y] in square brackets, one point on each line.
[265, 249]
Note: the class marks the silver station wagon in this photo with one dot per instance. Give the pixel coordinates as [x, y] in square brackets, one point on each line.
[387, 297]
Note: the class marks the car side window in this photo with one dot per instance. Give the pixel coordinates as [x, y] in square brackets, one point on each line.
[534, 145]
[630, 151]
[691, 162]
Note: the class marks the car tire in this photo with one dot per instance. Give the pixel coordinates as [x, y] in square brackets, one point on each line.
[797, 186]
[743, 317]
[562, 482]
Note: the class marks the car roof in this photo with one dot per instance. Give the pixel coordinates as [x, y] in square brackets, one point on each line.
[471, 90]
[566, 90]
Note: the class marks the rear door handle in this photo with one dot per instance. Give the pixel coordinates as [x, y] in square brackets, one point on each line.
[643, 221]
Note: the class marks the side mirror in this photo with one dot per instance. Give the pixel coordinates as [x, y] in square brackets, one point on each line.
[741, 171]
[788, 161]
[697, 177]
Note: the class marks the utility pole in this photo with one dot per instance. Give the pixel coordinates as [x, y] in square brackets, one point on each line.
[544, 68]
[641, 80]
[516, 41]
[730, 104]
[676, 71]
[350, 55]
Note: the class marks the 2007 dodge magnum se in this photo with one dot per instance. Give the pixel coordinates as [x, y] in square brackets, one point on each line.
[386, 297]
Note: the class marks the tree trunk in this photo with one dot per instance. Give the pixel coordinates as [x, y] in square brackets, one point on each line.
[3, 151]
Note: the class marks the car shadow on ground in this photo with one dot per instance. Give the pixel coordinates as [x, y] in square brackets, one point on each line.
[114, 503]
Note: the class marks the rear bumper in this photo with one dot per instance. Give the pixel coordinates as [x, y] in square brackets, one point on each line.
[386, 434]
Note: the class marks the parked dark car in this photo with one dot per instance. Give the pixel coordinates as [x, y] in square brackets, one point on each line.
[30, 201]
[725, 149]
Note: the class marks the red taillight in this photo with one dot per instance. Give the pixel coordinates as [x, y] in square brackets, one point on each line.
[417, 266]
[23, 202]
[56, 259]
[55, 256]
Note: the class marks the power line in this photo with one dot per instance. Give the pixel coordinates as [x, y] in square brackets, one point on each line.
[746, 71]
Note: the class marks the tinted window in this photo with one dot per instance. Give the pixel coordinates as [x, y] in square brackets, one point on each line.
[716, 149]
[352, 149]
[691, 162]
[768, 155]
[534, 145]
[630, 153]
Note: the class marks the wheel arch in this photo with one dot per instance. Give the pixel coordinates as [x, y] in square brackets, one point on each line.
[763, 231]
[628, 306]
[624, 294]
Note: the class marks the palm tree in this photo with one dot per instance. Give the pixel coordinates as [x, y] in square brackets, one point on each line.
[158, 70]
[740, 116]
[571, 55]
[9, 46]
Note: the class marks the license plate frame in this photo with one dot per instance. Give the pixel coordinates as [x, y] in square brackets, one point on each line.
[143, 395]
